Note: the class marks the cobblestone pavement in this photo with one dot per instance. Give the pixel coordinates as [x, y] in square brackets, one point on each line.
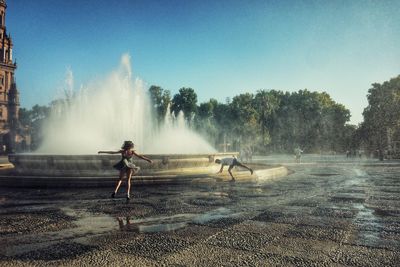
[327, 213]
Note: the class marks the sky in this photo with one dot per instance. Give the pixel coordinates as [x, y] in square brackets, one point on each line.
[219, 48]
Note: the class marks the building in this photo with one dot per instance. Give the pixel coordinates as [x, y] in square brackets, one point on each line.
[11, 133]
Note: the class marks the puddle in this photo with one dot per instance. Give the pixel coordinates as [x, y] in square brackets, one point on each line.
[369, 226]
[174, 222]
[152, 225]
[324, 174]
[217, 214]
[201, 194]
[90, 223]
[161, 227]
[86, 224]
[360, 172]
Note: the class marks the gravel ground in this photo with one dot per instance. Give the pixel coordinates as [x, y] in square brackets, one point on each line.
[329, 212]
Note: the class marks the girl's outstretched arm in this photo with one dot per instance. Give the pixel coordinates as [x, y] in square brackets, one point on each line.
[142, 157]
[109, 152]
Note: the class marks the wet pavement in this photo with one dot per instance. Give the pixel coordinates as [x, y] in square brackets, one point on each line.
[330, 212]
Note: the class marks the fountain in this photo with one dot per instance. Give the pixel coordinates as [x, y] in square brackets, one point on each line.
[100, 116]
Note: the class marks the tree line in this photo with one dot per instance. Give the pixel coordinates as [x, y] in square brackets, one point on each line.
[273, 121]
[267, 121]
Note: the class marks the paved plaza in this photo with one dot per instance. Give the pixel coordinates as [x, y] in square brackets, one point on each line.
[330, 212]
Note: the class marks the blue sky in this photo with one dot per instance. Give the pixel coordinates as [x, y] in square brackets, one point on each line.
[219, 48]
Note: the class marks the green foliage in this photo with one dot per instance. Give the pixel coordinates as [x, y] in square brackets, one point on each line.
[34, 120]
[160, 99]
[306, 119]
[24, 117]
[274, 121]
[244, 114]
[185, 101]
[266, 103]
[381, 124]
[205, 122]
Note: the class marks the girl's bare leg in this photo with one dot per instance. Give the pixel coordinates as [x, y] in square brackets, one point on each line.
[121, 176]
[129, 176]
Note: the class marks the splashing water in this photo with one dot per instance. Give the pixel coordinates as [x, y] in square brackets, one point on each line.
[105, 113]
[175, 136]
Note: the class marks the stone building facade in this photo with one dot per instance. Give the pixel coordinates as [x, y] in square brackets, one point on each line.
[11, 133]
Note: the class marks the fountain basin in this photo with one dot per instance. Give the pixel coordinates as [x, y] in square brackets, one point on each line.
[102, 165]
[40, 170]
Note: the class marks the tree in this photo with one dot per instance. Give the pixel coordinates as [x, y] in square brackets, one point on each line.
[160, 99]
[24, 117]
[206, 110]
[245, 120]
[186, 101]
[382, 115]
[224, 120]
[205, 120]
[34, 120]
[266, 104]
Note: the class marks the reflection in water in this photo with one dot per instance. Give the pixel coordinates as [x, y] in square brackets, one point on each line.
[360, 172]
[171, 223]
[153, 225]
[213, 215]
[128, 226]
[324, 174]
[134, 226]
[366, 219]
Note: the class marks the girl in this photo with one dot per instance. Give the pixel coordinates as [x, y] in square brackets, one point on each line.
[126, 165]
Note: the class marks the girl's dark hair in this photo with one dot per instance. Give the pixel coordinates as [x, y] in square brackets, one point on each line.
[127, 144]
